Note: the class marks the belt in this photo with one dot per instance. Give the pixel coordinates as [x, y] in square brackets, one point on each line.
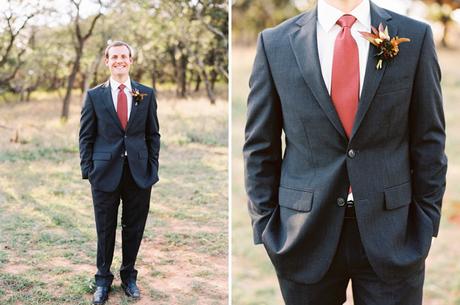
[350, 210]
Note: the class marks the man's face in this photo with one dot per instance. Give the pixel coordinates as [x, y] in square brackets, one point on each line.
[118, 60]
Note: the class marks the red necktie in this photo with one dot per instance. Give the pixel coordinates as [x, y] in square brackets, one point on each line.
[122, 106]
[345, 74]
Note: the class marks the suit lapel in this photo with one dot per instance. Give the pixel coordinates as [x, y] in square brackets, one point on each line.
[305, 47]
[108, 103]
[133, 105]
[373, 76]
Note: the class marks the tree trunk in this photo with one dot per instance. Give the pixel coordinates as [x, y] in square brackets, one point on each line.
[29, 92]
[72, 76]
[198, 82]
[55, 81]
[83, 82]
[91, 71]
[153, 77]
[172, 54]
[95, 81]
[207, 83]
[213, 78]
[445, 34]
[182, 85]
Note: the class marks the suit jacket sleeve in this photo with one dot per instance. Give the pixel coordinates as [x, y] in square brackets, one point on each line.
[152, 135]
[88, 131]
[262, 148]
[427, 134]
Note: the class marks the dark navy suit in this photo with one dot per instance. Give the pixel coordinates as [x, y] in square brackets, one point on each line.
[394, 161]
[120, 165]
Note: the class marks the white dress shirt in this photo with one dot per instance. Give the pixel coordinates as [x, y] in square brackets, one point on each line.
[129, 98]
[327, 31]
[114, 88]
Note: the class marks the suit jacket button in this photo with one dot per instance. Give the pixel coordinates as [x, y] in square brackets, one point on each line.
[351, 153]
[340, 202]
[122, 155]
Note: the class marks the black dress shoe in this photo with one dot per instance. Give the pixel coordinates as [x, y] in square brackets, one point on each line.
[131, 289]
[101, 294]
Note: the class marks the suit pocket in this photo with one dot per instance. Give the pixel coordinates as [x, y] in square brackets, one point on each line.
[102, 156]
[143, 154]
[398, 196]
[295, 199]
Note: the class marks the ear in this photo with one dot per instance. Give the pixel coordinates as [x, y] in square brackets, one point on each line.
[106, 61]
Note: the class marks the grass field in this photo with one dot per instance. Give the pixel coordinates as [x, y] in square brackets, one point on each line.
[48, 238]
[254, 280]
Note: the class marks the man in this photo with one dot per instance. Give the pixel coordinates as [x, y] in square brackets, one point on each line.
[357, 193]
[119, 147]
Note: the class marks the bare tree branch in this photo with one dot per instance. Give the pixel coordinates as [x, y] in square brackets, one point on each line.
[6, 79]
[93, 23]
[13, 34]
[215, 31]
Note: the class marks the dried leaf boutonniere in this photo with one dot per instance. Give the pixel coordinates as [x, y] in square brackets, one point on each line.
[387, 47]
[138, 96]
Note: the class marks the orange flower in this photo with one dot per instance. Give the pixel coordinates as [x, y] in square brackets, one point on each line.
[138, 96]
[387, 47]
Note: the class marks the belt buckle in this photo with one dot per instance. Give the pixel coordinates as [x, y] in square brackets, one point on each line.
[350, 210]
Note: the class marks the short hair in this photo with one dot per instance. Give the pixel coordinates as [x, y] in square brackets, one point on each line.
[118, 43]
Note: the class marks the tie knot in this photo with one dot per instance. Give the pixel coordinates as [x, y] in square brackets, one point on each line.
[346, 21]
[121, 87]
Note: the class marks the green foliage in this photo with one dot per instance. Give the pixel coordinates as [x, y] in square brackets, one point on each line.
[169, 37]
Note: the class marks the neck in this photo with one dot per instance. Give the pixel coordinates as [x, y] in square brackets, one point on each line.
[345, 6]
[120, 78]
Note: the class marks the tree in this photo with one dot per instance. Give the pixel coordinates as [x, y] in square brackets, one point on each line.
[11, 52]
[79, 44]
[179, 44]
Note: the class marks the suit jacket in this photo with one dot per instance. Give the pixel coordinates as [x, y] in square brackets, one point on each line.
[103, 141]
[394, 159]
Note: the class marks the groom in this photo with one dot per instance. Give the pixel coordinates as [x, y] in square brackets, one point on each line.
[119, 147]
[356, 194]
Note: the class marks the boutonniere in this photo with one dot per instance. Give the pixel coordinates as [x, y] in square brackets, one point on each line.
[138, 96]
[387, 47]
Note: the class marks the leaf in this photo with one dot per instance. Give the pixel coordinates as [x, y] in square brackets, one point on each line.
[375, 31]
[370, 37]
[387, 36]
[366, 34]
[401, 40]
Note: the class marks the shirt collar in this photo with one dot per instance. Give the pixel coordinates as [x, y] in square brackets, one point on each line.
[328, 14]
[114, 84]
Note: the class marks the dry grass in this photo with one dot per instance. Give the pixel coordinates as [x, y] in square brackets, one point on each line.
[47, 244]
